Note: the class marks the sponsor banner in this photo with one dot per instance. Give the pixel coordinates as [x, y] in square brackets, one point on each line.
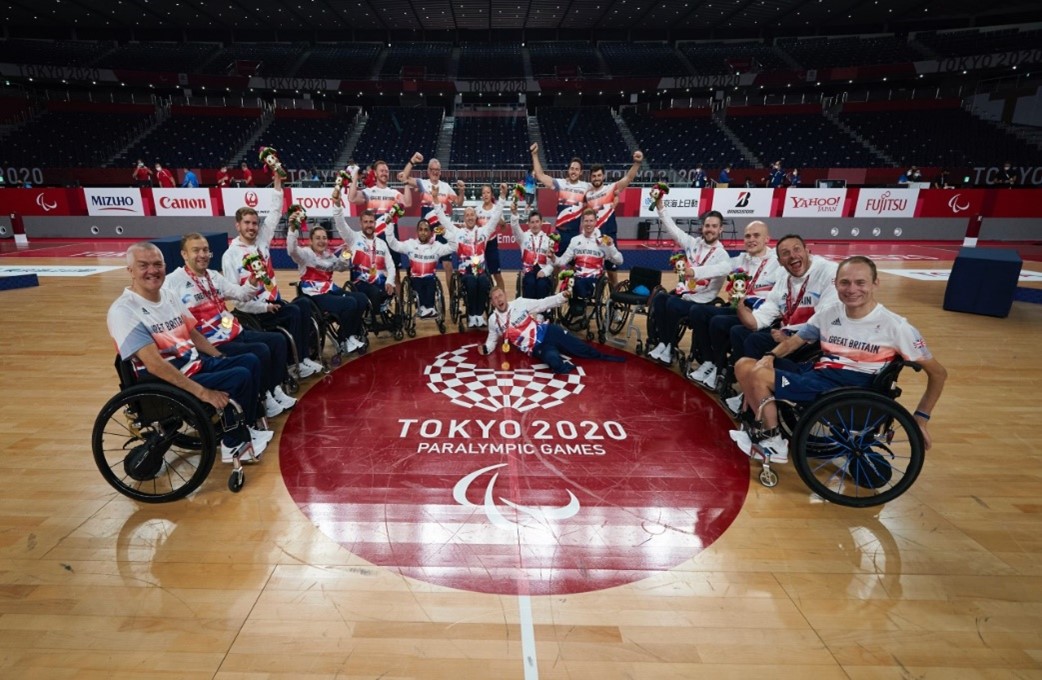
[681, 202]
[1027, 176]
[68, 270]
[175, 202]
[497, 86]
[951, 202]
[814, 202]
[114, 202]
[1015, 203]
[316, 202]
[739, 203]
[942, 274]
[39, 202]
[251, 197]
[886, 203]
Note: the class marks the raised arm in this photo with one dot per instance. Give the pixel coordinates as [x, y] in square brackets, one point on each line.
[405, 175]
[271, 220]
[537, 169]
[631, 174]
[353, 194]
[348, 234]
[682, 239]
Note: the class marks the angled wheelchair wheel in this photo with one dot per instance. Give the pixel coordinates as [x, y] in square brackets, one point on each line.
[154, 443]
[454, 298]
[858, 448]
[618, 312]
[408, 303]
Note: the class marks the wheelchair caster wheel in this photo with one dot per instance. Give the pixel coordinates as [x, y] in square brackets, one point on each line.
[768, 478]
[336, 360]
[639, 348]
[601, 337]
[589, 336]
[411, 332]
[398, 335]
[291, 386]
[441, 327]
[236, 480]
[460, 326]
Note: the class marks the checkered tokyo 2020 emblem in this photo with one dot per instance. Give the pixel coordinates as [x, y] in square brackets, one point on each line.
[492, 474]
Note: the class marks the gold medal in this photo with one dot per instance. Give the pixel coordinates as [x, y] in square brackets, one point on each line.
[226, 320]
[372, 272]
[475, 261]
[347, 255]
[506, 346]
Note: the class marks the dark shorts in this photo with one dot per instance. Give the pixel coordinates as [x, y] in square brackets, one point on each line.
[806, 385]
[492, 255]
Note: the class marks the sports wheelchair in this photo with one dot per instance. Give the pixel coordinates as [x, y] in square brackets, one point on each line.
[626, 304]
[409, 303]
[267, 323]
[851, 446]
[327, 331]
[582, 310]
[156, 443]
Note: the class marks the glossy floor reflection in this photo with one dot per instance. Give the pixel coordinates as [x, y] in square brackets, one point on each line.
[492, 475]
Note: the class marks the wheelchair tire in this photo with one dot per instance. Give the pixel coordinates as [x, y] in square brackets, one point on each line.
[154, 443]
[857, 448]
[618, 312]
[236, 480]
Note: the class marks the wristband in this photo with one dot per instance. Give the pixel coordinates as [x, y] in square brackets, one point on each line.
[770, 354]
[920, 414]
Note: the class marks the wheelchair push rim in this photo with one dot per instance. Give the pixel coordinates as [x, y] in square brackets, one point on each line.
[153, 444]
[858, 449]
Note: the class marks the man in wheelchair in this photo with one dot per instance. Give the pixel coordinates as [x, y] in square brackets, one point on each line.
[156, 332]
[537, 255]
[858, 337]
[424, 253]
[372, 271]
[588, 251]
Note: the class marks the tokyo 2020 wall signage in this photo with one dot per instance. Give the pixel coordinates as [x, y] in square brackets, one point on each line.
[492, 474]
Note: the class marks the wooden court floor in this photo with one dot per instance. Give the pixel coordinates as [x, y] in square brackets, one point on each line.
[945, 582]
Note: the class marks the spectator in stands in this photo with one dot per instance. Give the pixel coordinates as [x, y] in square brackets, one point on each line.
[529, 188]
[142, 176]
[247, 175]
[1007, 176]
[224, 178]
[698, 177]
[190, 180]
[314, 176]
[749, 184]
[724, 180]
[776, 177]
[942, 181]
[164, 178]
[912, 175]
[794, 178]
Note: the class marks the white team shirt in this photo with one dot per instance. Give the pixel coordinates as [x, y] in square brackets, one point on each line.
[699, 255]
[204, 298]
[520, 324]
[589, 254]
[794, 300]
[232, 262]
[135, 322]
[536, 249]
[864, 345]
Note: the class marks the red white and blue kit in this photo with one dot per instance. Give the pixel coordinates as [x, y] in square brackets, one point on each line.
[315, 270]
[423, 257]
[135, 322]
[232, 263]
[589, 254]
[204, 298]
[519, 324]
[380, 201]
[370, 258]
[470, 243]
[794, 300]
[864, 345]
[446, 197]
[571, 201]
[536, 249]
[602, 201]
[699, 254]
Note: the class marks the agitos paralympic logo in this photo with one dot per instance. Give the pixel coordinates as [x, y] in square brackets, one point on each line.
[492, 474]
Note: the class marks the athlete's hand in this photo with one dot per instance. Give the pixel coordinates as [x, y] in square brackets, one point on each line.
[503, 190]
[534, 149]
[214, 398]
[417, 158]
[389, 287]
[926, 434]
[567, 294]
[460, 186]
[540, 275]
[638, 156]
[778, 335]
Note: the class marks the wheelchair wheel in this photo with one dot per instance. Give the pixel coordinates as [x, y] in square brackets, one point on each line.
[602, 306]
[858, 448]
[439, 305]
[154, 443]
[454, 298]
[237, 480]
[618, 312]
[409, 304]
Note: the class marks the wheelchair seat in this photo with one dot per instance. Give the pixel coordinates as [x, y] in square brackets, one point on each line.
[632, 297]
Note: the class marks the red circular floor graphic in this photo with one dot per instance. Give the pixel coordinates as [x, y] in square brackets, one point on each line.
[493, 475]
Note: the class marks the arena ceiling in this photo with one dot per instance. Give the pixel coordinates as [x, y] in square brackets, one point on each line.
[561, 19]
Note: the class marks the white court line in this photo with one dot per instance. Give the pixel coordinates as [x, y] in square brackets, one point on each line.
[524, 610]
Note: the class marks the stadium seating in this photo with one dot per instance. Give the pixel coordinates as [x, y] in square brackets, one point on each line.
[52, 52]
[262, 59]
[723, 58]
[340, 60]
[800, 141]
[72, 138]
[393, 134]
[490, 142]
[820, 53]
[307, 142]
[589, 133]
[432, 59]
[682, 142]
[642, 59]
[192, 142]
[157, 56]
[564, 58]
[491, 62]
[969, 43]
